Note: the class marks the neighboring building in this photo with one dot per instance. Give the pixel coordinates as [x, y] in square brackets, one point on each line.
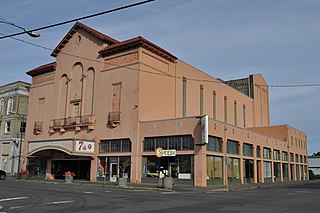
[314, 164]
[13, 110]
[104, 102]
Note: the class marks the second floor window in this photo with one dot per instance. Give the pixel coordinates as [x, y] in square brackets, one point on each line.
[276, 154]
[233, 147]
[247, 149]
[266, 153]
[1, 106]
[10, 106]
[7, 127]
[76, 109]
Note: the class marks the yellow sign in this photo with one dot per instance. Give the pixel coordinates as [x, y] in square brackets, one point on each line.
[159, 152]
[165, 153]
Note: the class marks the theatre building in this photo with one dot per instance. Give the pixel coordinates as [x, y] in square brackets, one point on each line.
[106, 108]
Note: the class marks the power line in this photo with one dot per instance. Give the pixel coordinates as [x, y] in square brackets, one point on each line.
[157, 73]
[80, 18]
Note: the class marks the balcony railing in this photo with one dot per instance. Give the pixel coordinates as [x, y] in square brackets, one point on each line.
[114, 119]
[37, 128]
[79, 121]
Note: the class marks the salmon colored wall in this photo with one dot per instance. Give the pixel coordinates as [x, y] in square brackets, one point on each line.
[211, 84]
[157, 87]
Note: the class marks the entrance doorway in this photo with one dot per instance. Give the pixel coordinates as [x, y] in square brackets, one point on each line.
[292, 172]
[248, 171]
[173, 170]
[113, 172]
[81, 168]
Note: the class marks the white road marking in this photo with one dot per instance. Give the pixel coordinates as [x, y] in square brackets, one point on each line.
[107, 191]
[59, 202]
[292, 193]
[19, 207]
[88, 192]
[13, 198]
[165, 193]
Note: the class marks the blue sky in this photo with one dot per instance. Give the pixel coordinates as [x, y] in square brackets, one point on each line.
[228, 39]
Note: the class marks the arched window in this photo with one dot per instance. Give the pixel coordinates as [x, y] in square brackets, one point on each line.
[1, 106]
[10, 106]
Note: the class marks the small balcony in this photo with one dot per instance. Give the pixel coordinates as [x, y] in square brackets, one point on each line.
[37, 128]
[73, 122]
[114, 119]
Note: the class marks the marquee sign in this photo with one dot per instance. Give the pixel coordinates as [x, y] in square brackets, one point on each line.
[84, 147]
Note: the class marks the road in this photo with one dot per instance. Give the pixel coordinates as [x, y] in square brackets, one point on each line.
[22, 196]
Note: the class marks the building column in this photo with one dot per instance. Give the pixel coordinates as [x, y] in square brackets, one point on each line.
[93, 169]
[255, 171]
[241, 164]
[281, 172]
[262, 171]
[200, 166]
[49, 175]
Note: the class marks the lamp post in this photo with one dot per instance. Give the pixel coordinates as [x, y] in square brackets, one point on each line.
[33, 34]
[22, 130]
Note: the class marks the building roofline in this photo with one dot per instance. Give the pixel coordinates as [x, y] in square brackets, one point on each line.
[136, 43]
[46, 68]
[15, 82]
[90, 30]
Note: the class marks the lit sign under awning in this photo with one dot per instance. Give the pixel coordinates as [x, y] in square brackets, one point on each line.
[165, 152]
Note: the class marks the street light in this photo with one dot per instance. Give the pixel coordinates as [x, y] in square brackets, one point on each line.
[33, 34]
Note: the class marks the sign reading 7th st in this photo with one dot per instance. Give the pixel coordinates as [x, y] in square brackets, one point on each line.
[84, 147]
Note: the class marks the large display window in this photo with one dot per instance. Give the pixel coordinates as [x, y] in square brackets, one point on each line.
[214, 170]
[178, 167]
[233, 170]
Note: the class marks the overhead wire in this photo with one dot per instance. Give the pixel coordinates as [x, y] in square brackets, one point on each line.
[80, 18]
[156, 73]
[126, 66]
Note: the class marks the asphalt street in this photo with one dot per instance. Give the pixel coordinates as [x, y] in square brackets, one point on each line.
[24, 196]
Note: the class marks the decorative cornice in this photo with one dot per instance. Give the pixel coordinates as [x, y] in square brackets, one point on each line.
[42, 69]
[135, 43]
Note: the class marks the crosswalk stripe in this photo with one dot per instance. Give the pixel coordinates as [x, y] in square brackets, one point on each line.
[12, 198]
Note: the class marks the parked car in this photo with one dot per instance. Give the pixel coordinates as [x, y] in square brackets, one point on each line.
[2, 175]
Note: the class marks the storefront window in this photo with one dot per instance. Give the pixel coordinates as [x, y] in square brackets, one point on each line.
[214, 167]
[215, 144]
[180, 167]
[277, 168]
[285, 171]
[184, 142]
[267, 171]
[110, 168]
[233, 170]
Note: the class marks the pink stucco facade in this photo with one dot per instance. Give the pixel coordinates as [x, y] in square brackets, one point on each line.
[114, 98]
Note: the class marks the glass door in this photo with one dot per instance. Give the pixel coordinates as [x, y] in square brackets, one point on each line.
[113, 172]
